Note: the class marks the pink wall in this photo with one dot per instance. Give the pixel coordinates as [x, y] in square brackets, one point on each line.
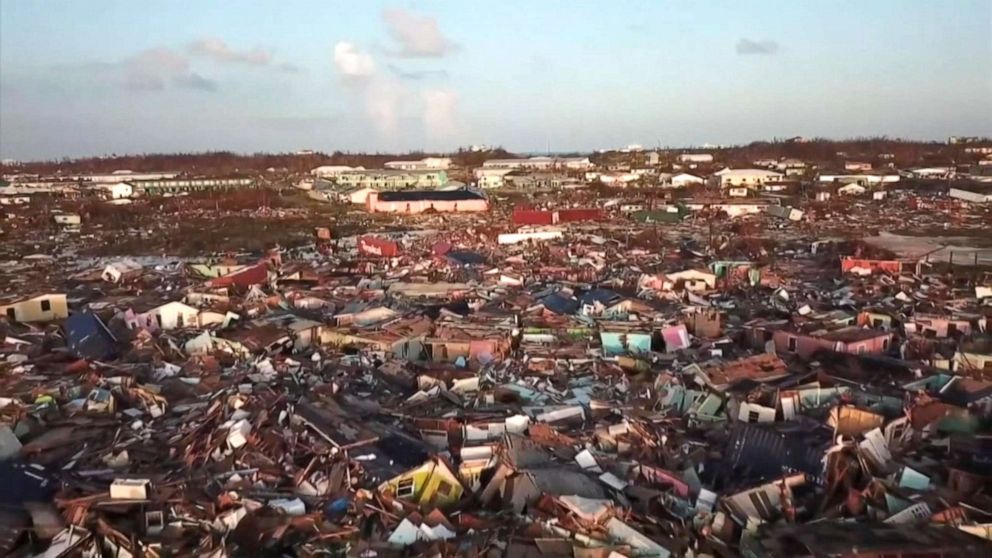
[378, 206]
[807, 345]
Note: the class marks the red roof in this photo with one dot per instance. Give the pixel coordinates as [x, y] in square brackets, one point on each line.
[253, 275]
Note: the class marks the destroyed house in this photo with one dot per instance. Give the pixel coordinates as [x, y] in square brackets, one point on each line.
[432, 484]
[974, 355]
[846, 340]
[155, 315]
[243, 278]
[335, 425]
[38, 308]
[864, 266]
[467, 341]
[760, 452]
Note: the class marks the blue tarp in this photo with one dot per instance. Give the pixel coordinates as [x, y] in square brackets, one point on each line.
[466, 257]
[88, 337]
[559, 304]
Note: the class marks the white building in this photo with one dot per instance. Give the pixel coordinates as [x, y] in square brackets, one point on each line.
[489, 178]
[116, 190]
[122, 176]
[330, 171]
[356, 194]
[680, 180]
[618, 178]
[427, 163]
[857, 166]
[866, 179]
[790, 164]
[750, 178]
[695, 158]
[539, 163]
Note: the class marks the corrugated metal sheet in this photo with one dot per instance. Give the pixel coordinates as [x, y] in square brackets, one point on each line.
[524, 216]
[532, 217]
[375, 246]
[571, 215]
[254, 275]
[760, 452]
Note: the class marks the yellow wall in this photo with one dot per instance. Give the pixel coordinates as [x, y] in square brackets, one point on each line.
[30, 310]
[971, 361]
[427, 480]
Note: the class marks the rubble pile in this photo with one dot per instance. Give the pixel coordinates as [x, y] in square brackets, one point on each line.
[590, 377]
[441, 393]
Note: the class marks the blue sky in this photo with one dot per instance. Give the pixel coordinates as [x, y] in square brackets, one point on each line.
[81, 77]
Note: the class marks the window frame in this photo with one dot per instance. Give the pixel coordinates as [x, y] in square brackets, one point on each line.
[406, 488]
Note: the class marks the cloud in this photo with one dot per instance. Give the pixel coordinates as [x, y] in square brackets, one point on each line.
[352, 63]
[219, 51]
[143, 82]
[416, 75]
[382, 102]
[748, 46]
[153, 69]
[440, 112]
[194, 80]
[159, 58]
[416, 36]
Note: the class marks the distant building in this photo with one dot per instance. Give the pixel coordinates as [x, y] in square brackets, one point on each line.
[864, 179]
[489, 178]
[331, 171]
[536, 180]
[857, 166]
[540, 163]
[680, 180]
[122, 176]
[695, 158]
[393, 179]
[427, 200]
[187, 185]
[116, 190]
[790, 164]
[958, 140]
[428, 163]
[749, 178]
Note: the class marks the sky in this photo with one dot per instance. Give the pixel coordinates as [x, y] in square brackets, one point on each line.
[99, 77]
